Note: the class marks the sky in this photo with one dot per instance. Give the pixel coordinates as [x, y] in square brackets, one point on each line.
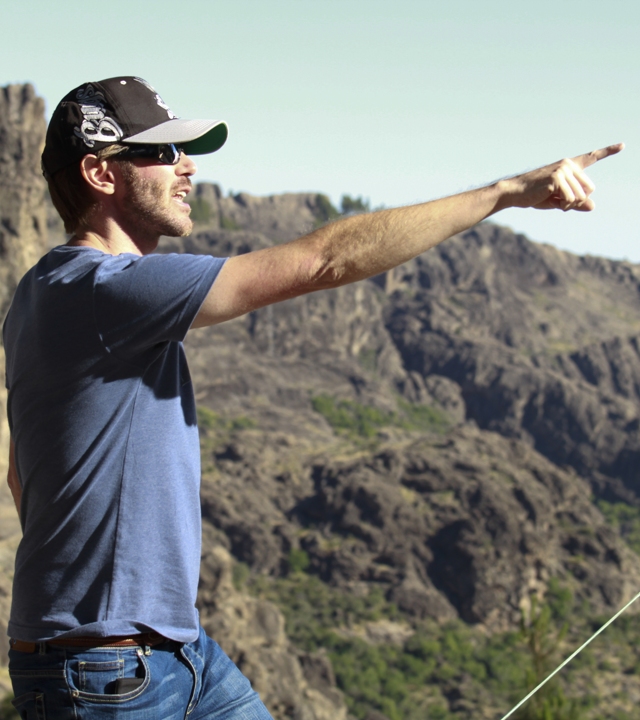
[397, 102]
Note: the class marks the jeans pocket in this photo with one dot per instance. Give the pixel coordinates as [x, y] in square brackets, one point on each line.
[30, 705]
[99, 677]
[113, 680]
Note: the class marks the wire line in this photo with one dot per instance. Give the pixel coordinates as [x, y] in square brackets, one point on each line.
[570, 658]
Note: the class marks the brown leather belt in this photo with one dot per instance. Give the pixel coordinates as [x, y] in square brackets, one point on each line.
[144, 639]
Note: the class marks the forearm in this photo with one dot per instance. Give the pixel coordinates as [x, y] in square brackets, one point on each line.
[366, 245]
[12, 478]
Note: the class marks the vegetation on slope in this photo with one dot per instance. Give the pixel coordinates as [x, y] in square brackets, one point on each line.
[454, 671]
[355, 420]
[625, 518]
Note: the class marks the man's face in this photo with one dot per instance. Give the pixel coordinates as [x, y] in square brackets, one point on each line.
[153, 197]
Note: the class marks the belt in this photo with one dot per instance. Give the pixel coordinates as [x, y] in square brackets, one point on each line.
[144, 639]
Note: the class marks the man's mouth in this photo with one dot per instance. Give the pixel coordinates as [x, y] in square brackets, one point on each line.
[180, 196]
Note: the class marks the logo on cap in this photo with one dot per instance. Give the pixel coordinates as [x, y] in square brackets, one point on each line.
[158, 99]
[96, 126]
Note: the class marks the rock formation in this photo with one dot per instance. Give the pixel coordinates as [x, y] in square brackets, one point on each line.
[251, 631]
[536, 343]
[23, 237]
[543, 345]
[437, 434]
[279, 217]
[23, 212]
[514, 341]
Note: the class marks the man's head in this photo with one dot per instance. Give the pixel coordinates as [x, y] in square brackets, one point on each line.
[117, 119]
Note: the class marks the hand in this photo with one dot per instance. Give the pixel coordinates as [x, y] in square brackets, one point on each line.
[562, 185]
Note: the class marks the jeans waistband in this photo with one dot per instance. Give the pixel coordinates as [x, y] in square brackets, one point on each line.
[142, 640]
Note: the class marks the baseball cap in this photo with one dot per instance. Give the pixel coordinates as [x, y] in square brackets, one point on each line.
[121, 110]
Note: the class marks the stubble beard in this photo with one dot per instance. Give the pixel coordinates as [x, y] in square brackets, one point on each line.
[149, 210]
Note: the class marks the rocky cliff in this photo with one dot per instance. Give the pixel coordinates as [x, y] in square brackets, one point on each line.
[439, 433]
[23, 238]
[528, 353]
[437, 442]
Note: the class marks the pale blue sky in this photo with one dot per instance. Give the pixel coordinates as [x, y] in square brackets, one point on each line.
[397, 101]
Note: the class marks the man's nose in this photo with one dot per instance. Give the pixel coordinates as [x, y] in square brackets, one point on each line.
[186, 166]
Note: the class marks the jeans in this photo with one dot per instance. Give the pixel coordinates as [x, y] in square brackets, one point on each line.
[171, 681]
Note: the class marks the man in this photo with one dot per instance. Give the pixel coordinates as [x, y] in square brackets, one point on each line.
[104, 460]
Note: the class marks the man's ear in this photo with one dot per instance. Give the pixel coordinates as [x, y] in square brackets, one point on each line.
[98, 174]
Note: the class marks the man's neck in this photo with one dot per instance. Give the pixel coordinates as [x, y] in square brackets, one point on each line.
[113, 241]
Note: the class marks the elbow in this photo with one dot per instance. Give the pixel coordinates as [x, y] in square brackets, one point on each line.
[322, 271]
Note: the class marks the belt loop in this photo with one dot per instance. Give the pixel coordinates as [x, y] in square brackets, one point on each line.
[42, 648]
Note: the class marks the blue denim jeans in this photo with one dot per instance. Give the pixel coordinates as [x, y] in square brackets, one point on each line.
[171, 681]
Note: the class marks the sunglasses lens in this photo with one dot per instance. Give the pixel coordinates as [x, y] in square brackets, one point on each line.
[169, 154]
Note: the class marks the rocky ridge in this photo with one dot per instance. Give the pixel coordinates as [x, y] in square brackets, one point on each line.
[530, 355]
[23, 238]
[291, 683]
[437, 434]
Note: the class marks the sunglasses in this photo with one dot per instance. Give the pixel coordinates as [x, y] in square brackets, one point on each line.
[168, 154]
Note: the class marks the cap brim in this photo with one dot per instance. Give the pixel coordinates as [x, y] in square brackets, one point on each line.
[196, 137]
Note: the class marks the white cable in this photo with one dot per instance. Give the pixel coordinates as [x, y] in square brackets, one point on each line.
[570, 658]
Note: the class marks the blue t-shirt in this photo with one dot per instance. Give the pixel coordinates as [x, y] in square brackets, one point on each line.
[103, 417]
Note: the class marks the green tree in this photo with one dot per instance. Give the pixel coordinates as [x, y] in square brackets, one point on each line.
[298, 560]
[352, 206]
[324, 210]
[543, 639]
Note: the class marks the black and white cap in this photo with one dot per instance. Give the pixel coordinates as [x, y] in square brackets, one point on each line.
[121, 110]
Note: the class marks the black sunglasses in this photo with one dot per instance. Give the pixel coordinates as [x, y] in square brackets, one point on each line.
[168, 154]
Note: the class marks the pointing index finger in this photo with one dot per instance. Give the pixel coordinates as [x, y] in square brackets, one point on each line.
[587, 159]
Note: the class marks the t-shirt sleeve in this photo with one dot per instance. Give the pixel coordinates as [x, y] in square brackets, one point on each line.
[142, 302]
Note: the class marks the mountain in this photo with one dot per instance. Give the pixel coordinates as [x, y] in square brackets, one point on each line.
[446, 434]
[23, 238]
[400, 467]
[523, 360]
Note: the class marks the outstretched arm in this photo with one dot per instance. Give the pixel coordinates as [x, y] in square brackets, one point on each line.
[365, 245]
[12, 477]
